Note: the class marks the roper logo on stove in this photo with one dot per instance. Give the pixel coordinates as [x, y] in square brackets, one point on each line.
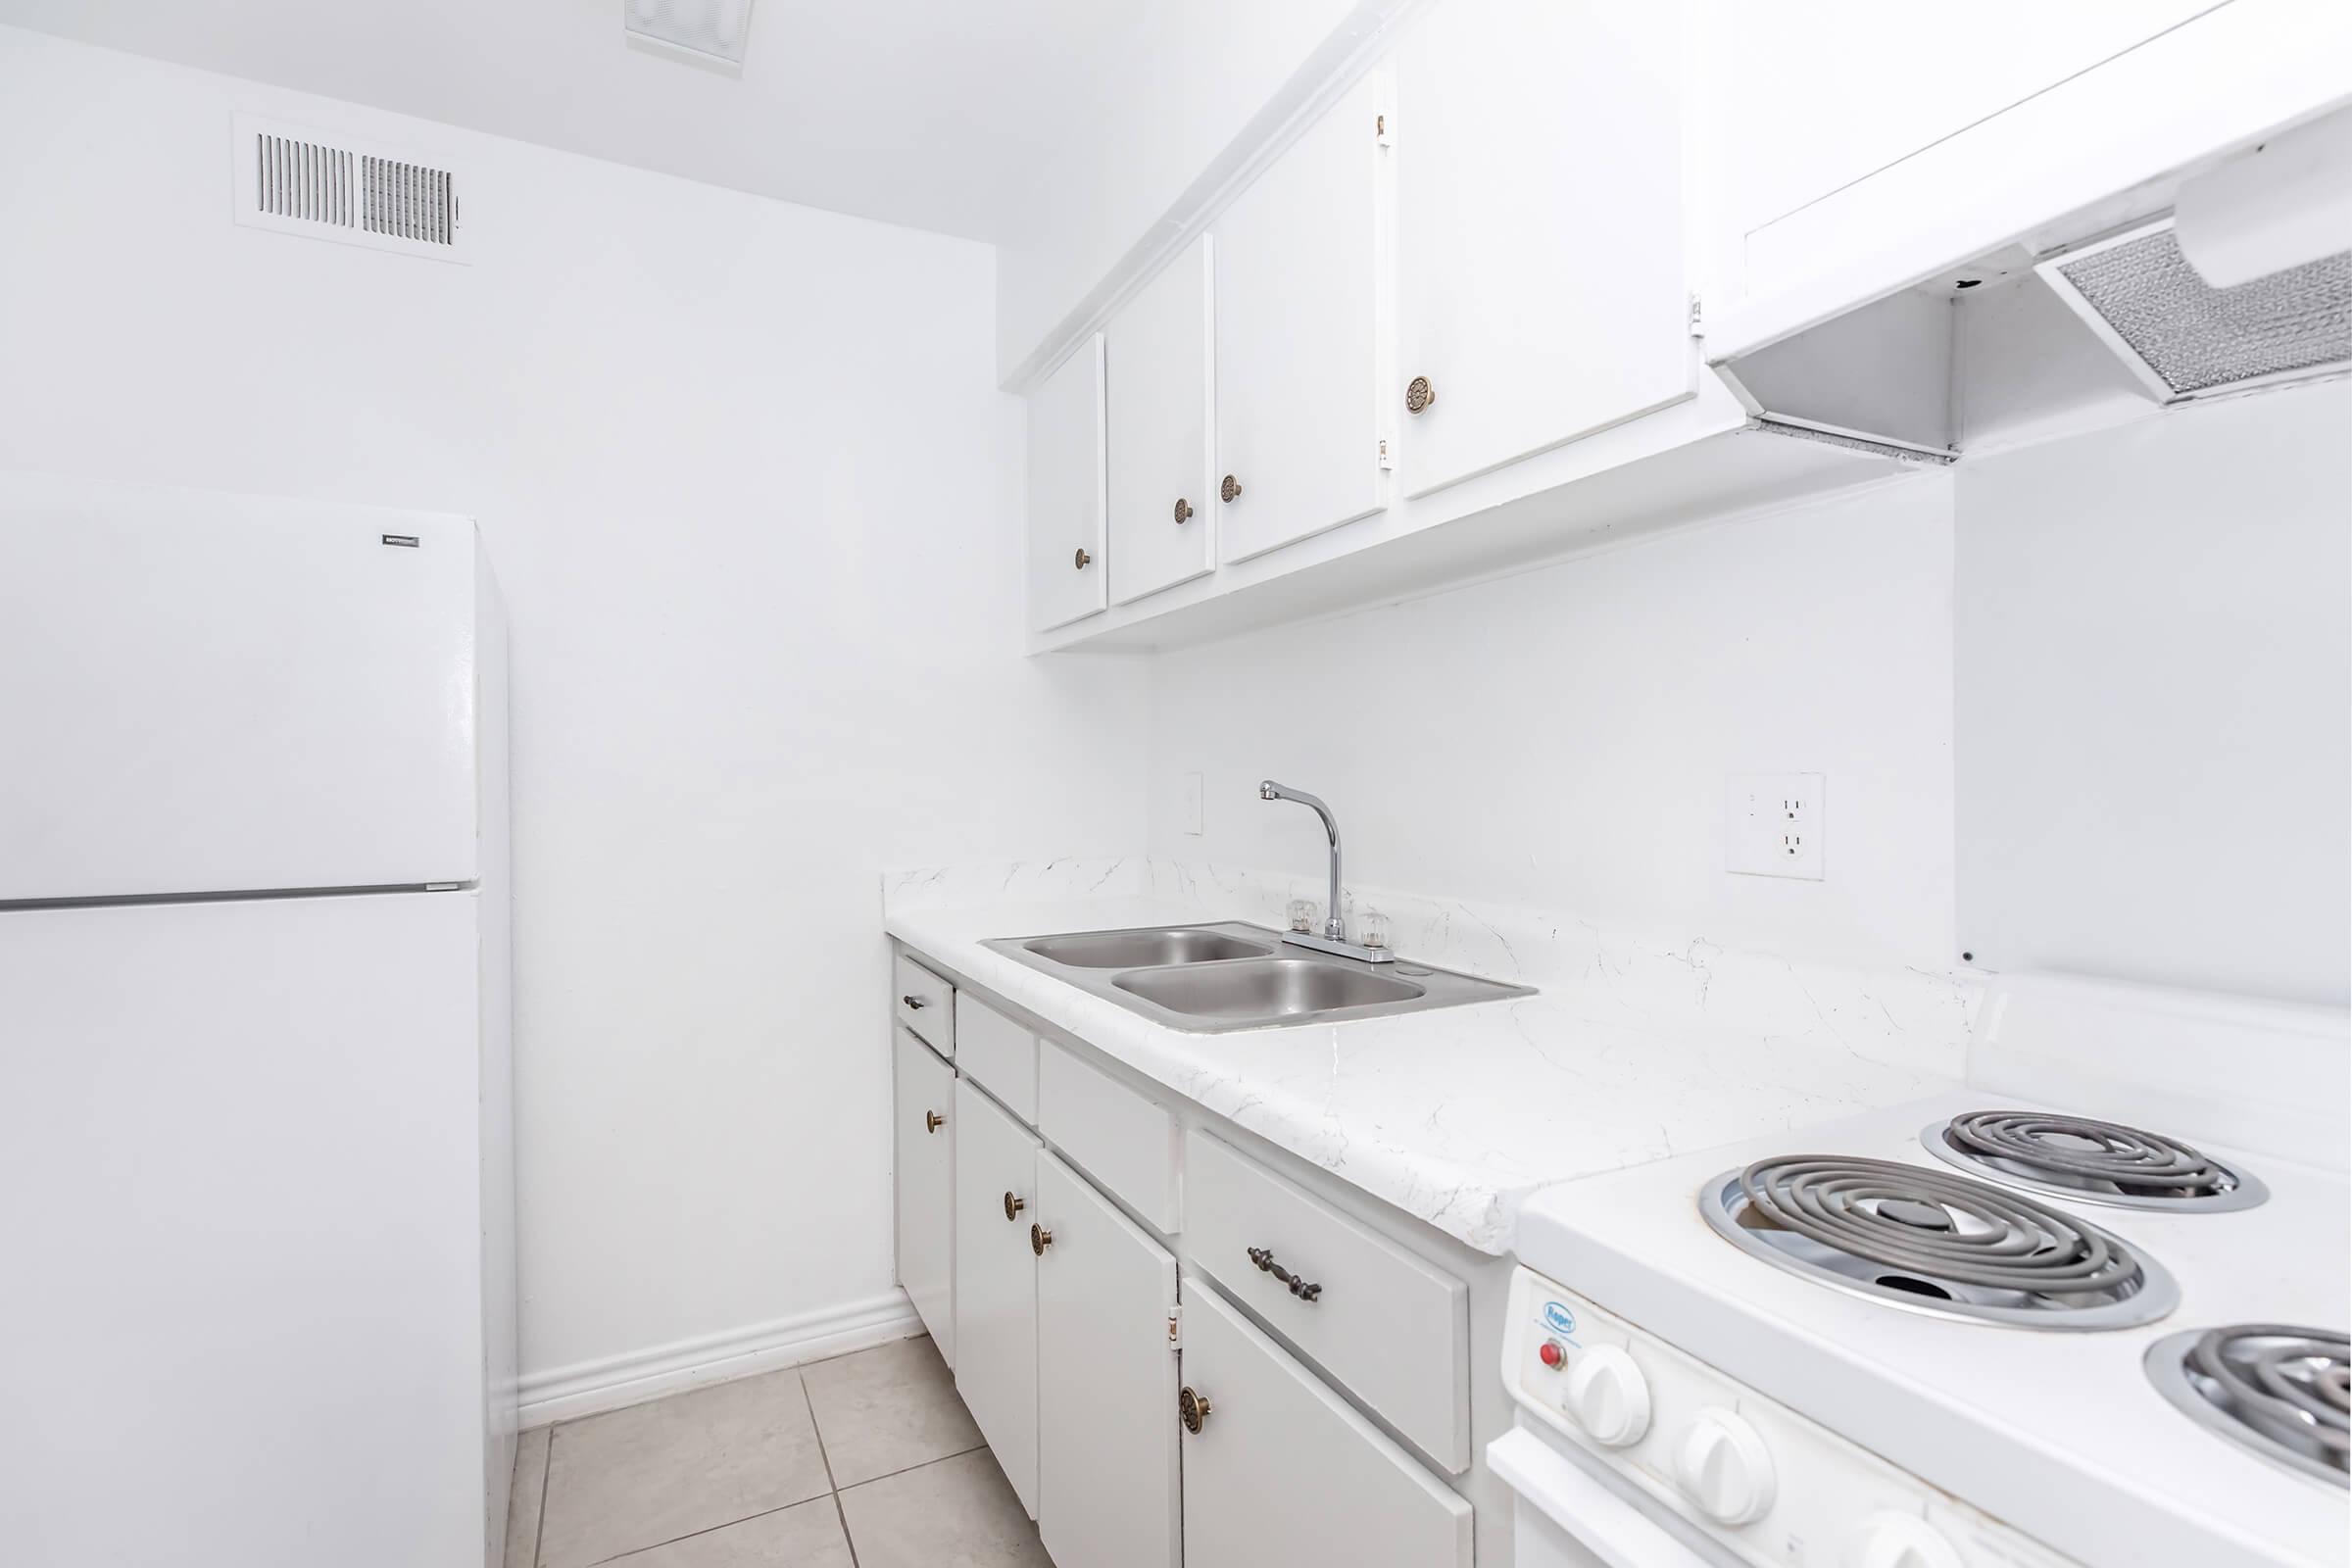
[1557, 1317]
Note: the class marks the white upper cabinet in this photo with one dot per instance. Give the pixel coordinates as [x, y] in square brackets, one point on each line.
[1299, 259]
[1541, 293]
[1066, 497]
[1162, 499]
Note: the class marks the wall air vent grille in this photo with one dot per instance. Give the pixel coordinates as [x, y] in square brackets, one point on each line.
[296, 181]
[2183, 337]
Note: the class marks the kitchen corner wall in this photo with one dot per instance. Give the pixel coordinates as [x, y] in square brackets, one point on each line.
[1560, 739]
[2155, 700]
[701, 432]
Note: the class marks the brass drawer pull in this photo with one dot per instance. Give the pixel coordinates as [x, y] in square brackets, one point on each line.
[1184, 510]
[1265, 1259]
[1231, 489]
[933, 1121]
[1192, 1410]
[1419, 394]
[1081, 559]
[914, 1003]
[1040, 1238]
[1014, 1205]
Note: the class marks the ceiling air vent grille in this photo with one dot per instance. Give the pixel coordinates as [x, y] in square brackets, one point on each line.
[297, 182]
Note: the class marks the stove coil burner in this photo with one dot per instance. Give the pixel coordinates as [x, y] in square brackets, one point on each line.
[2285, 1393]
[1936, 1241]
[2090, 1161]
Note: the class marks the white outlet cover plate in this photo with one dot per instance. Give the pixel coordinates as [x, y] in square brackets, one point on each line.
[1773, 826]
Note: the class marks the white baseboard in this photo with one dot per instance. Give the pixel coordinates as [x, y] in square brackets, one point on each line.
[586, 1388]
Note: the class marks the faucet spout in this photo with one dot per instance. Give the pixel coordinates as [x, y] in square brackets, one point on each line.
[1334, 928]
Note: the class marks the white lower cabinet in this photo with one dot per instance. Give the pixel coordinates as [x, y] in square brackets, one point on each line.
[925, 1127]
[1107, 1450]
[1283, 1472]
[997, 1239]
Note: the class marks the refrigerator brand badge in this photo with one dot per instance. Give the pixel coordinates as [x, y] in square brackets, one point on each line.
[404, 540]
[1557, 1317]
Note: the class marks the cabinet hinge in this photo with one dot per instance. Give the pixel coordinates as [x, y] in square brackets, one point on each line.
[1387, 460]
[1175, 1328]
[1382, 135]
[1697, 329]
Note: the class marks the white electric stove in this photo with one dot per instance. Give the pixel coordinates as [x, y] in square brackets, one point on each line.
[1992, 1327]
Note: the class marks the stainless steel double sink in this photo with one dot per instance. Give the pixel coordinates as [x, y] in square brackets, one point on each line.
[1228, 976]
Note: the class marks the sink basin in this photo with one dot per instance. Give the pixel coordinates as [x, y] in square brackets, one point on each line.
[1266, 990]
[1144, 949]
[1228, 975]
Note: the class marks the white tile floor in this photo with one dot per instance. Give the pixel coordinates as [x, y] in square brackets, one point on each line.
[866, 1461]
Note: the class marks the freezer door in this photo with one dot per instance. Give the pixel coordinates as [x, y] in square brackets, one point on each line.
[204, 693]
[241, 1201]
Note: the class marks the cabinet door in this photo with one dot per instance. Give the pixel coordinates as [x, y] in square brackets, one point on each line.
[1107, 1488]
[926, 1194]
[1541, 285]
[1162, 516]
[1283, 1472]
[996, 1283]
[1298, 260]
[1066, 496]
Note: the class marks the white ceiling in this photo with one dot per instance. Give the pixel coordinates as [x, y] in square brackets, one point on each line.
[938, 113]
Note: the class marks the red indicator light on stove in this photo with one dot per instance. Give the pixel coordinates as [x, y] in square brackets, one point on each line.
[1552, 1355]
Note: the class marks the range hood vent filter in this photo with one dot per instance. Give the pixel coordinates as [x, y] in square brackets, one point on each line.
[2183, 336]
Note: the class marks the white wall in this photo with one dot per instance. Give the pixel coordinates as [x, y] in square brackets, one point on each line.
[752, 496]
[2155, 700]
[1560, 739]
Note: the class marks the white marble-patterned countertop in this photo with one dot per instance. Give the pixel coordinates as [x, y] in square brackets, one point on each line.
[1633, 1049]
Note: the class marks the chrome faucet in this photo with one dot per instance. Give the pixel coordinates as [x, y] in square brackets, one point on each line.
[1334, 939]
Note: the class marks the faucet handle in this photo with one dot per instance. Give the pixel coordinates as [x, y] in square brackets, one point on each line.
[1372, 929]
[1303, 914]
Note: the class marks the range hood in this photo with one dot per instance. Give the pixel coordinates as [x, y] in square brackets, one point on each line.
[2242, 278]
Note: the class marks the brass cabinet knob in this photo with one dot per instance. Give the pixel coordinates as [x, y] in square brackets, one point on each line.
[1080, 560]
[1040, 1238]
[1231, 489]
[933, 1121]
[1419, 394]
[1184, 510]
[914, 1003]
[1192, 1409]
[1014, 1205]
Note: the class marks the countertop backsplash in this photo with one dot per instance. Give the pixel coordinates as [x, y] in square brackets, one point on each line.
[1909, 1017]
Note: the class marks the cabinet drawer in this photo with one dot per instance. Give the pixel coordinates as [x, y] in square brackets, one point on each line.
[924, 1003]
[1394, 1329]
[999, 1055]
[1123, 1142]
[1282, 1471]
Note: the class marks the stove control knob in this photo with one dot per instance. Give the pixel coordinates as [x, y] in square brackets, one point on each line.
[1899, 1540]
[1724, 1468]
[1608, 1396]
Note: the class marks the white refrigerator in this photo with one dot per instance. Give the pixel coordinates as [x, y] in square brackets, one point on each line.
[257, 1247]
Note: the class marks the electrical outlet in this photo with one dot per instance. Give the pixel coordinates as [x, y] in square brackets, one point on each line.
[1773, 826]
[1190, 811]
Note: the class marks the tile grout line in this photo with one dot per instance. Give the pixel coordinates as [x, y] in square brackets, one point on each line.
[707, 1530]
[841, 1515]
[539, 1524]
[907, 1470]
